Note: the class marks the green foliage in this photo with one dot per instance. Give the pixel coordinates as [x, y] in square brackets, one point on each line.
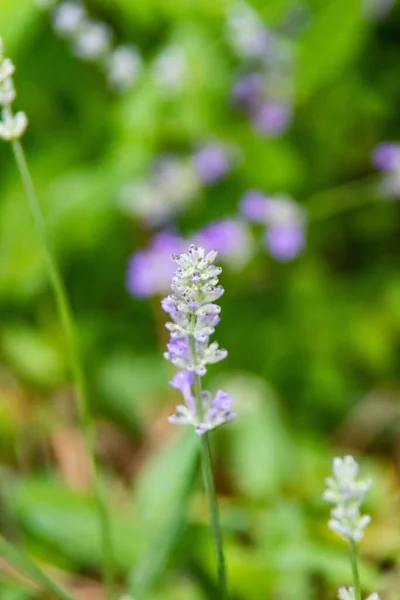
[313, 344]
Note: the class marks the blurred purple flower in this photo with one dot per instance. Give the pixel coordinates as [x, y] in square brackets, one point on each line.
[247, 91]
[254, 206]
[273, 118]
[230, 238]
[386, 156]
[211, 163]
[150, 270]
[285, 242]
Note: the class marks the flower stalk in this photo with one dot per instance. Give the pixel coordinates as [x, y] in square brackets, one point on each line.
[12, 129]
[194, 316]
[354, 566]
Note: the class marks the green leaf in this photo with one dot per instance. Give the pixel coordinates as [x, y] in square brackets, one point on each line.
[259, 446]
[160, 499]
[330, 44]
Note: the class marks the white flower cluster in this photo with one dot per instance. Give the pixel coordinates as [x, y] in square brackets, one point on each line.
[92, 41]
[12, 126]
[347, 493]
[348, 594]
[168, 188]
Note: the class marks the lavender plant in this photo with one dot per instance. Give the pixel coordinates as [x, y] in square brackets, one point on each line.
[12, 128]
[346, 491]
[285, 222]
[194, 314]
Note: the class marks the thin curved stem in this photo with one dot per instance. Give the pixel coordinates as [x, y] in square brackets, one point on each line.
[23, 563]
[68, 324]
[320, 206]
[212, 500]
[354, 566]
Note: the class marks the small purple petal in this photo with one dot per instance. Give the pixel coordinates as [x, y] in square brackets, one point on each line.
[182, 380]
[211, 163]
[386, 156]
[254, 206]
[273, 118]
[285, 242]
[222, 401]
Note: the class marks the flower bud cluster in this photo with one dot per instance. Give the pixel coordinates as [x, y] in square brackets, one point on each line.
[194, 316]
[284, 219]
[348, 594]
[347, 492]
[12, 126]
[91, 40]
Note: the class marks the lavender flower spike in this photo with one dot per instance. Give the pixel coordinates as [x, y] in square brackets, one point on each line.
[347, 492]
[194, 316]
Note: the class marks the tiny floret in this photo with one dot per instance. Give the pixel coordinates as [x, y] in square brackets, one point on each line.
[347, 492]
[194, 314]
[12, 127]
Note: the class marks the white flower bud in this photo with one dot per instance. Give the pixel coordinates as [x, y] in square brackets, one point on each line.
[68, 18]
[93, 40]
[7, 92]
[6, 69]
[123, 67]
[347, 493]
[13, 127]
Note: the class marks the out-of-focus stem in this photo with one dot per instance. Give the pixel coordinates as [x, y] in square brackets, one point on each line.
[354, 566]
[68, 324]
[212, 497]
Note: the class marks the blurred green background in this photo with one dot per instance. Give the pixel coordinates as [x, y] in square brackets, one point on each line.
[313, 344]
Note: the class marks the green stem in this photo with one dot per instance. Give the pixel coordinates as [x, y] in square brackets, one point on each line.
[212, 499]
[354, 566]
[23, 563]
[68, 324]
[342, 198]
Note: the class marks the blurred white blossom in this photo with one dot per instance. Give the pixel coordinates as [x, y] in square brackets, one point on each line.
[124, 64]
[348, 594]
[93, 41]
[12, 126]
[246, 32]
[171, 69]
[68, 18]
[347, 492]
[170, 186]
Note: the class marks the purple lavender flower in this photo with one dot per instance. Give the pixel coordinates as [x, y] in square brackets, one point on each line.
[247, 91]
[211, 163]
[273, 118]
[285, 234]
[386, 156]
[285, 242]
[254, 206]
[231, 239]
[150, 270]
[194, 317]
